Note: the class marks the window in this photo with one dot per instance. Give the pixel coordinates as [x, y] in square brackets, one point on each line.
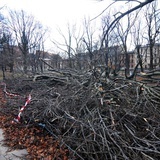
[155, 61]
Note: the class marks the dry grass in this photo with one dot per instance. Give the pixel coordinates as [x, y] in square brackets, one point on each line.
[9, 75]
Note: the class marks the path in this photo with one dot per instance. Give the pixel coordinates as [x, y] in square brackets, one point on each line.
[5, 154]
[12, 155]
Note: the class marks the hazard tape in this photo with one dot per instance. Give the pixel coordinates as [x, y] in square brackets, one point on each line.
[28, 100]
[7, 93]
[17, 119]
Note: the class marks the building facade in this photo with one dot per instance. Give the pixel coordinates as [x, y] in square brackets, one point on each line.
[144, 52]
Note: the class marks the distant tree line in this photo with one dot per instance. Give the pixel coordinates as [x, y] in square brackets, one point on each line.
[117, 29]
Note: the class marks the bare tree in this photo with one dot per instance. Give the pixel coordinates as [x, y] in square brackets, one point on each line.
[123, 30]
[27, 31]
[6, 48]
[153, 28]
[137, 32]
[110, 49]
[71, 43]
[7, 45]
[66, 45]
[118, 18]
[90, 42]
[105, 24]
[123, 34]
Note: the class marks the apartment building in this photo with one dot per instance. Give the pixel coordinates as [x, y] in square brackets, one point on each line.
[145, 55]
[113, 57]
[116, 57]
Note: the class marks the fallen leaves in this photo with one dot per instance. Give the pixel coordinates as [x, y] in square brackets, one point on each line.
[39, 144]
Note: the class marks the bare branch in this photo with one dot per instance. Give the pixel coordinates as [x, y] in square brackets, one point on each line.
[116, 20]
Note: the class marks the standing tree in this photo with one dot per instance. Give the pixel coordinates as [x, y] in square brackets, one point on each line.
[7, 45]
[153, 28]
[116, 21]
[66, 46]
[123, 30]
[70, 43]
[137, 36]
[110, 48]
[90, 42]
[6, 48]
[105, 24]
[27, 31]
[121, 15]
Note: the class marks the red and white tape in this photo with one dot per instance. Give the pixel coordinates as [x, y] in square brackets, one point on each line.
[7, 93]
[28, 100]
[21, 110]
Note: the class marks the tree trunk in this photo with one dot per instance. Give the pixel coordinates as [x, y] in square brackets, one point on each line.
[25, 63]
[151, 57]
[11, 68]
[139, 58]
[3, 71]
[126, 61]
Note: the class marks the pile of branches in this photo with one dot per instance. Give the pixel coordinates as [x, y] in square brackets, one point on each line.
[94, 118]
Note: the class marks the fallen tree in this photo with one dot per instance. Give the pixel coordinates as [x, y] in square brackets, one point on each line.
[104, 118]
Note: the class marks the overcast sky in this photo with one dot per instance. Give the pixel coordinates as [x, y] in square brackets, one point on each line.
[57, 13]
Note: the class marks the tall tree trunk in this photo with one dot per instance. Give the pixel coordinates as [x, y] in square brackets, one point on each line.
[151, 57]
[126, 59]
[127, 62]
[11, 66]
[106, 52]
[3, 71]
[139, 58]
[25, 63]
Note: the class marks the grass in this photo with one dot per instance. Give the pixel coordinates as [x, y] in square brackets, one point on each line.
[8, 75]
